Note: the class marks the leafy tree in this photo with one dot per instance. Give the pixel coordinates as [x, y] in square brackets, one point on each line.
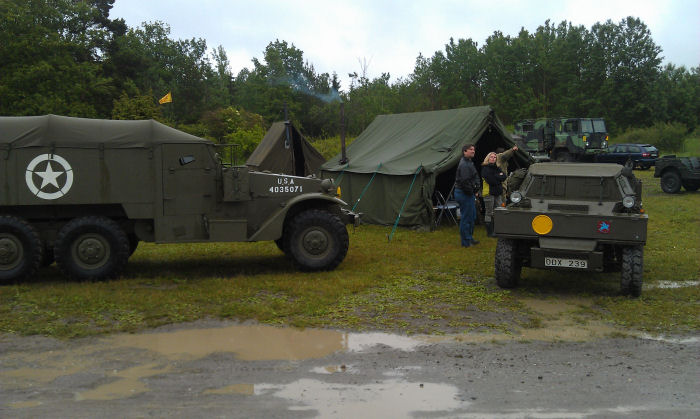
[136, 107]
[49, 58]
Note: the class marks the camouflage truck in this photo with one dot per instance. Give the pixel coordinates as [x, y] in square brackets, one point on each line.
[575, 217]
[84, 192]
[678, 171]
[562, 139]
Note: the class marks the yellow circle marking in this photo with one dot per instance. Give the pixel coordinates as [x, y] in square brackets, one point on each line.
[542, 224]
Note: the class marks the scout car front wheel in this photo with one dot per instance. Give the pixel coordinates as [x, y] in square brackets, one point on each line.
[507, 264]
[671, 182]
[317, 240]
[20, 249]
[91, 248]
[632, 270]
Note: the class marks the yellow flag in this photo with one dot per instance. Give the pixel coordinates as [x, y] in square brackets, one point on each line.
[166, 99]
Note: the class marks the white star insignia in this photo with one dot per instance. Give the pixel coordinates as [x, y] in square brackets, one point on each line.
[49, 176]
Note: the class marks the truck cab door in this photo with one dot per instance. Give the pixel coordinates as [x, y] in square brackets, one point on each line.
[189, 179]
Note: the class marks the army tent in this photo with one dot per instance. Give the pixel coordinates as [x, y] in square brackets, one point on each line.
[285, 150]
[398, 162]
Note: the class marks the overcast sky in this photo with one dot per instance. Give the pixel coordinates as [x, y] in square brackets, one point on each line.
[387, 36]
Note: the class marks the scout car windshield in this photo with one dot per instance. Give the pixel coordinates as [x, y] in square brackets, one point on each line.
[573, 188]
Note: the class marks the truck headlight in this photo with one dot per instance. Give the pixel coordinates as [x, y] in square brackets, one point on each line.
[516, 197]
[628, 201]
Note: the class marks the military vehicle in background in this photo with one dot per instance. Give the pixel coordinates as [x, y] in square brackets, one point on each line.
[86, 191]
[562, 139]
[678, 171]
[575, 217]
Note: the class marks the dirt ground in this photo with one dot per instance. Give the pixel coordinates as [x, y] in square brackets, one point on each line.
[565, 368]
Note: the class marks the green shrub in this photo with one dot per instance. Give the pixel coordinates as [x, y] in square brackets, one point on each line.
[330, 146]
[667, 137]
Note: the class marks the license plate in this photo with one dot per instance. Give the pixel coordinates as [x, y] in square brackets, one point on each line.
[565, 263]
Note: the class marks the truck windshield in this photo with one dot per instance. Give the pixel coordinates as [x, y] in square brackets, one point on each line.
[586, 125]
[599, 125]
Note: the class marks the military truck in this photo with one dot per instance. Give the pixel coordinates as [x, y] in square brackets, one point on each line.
[85, 191]
[573, 217]
[676, 171]
[562, 139]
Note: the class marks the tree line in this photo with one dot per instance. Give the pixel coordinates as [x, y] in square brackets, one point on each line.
[69, 57]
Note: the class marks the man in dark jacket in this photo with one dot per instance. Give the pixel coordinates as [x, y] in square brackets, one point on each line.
[467, 185]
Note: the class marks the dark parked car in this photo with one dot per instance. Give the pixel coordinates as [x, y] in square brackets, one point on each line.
[638, 155]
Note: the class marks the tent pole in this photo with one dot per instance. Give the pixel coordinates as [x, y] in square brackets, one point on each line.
[366, 187]
[404, 202]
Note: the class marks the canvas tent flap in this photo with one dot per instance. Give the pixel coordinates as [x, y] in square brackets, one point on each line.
[285, 150]
[396, 146]
[41, 131]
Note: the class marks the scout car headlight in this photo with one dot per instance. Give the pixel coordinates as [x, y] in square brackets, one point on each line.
[628, 201]
[516, 197]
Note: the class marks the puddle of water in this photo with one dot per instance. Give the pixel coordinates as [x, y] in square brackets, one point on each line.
[24, 405]
[332, 369]
[390, 398]
[128, 384]
[40, 375]
[662, 338]
[245, 389]
[253, 343]
[250, 343]
[672, 284]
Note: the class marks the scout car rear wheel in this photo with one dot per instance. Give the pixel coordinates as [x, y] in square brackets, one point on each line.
[20, 249]
[317, 240]
[507, 264]
[671, 182]
[632, 269]
[91, 248]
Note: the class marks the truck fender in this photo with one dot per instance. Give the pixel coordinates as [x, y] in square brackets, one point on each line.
[273, 227]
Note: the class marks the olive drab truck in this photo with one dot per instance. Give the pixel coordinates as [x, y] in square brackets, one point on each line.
[562, 139]
[85, 192]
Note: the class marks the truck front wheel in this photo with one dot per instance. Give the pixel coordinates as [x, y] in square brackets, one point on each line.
[507, 264]
[317, 240]
[632, 269]
[91, 248]
[20, 249]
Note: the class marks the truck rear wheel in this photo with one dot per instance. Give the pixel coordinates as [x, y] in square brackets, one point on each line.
[563, 156]
[91, 248]
[317, 240]
[632, 269]
[671, 182]
[20, 249]
[507, 264]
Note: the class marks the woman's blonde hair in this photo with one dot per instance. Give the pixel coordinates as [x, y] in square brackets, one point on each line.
[486, 159]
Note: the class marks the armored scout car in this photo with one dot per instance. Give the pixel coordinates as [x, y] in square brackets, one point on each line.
[676, 171]
[86, 191]
[577, 217]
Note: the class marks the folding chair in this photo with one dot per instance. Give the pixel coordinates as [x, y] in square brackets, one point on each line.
[445, 206]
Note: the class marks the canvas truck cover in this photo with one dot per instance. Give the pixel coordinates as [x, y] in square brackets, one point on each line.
[408, 152]
[285, 150]
[53, 130]
[57, 160]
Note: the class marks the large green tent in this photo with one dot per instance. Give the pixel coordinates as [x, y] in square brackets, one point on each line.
[285, 150]
[398, 162]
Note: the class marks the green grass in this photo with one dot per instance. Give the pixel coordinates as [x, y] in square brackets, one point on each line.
[420, 282]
